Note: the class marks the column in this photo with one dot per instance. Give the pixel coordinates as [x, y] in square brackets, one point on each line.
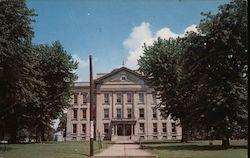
[132, 129]
[116, 130]
[123, 104]
[113, 104]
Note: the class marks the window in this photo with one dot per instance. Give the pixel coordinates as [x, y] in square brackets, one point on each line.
[75, 98]
[154, 137]
[106, 113]
[164, 137]
[141, 137]
[119, 98]
[173, 137]
[155, 127]
[129, 113]
[119, 113]
[74, 129]
[106, 128]
[153, 101]
[73, 138]
[84, 113]
[164, 127]
[75, 114]
[154, 113]
[141, 113]
[84, 128]
[84, 98]
[123, 77]
[129, 98]
[106, 98]
[142, 127]
[141, 98]
[173, 127]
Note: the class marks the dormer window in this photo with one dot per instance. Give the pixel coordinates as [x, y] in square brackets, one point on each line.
[123, 77]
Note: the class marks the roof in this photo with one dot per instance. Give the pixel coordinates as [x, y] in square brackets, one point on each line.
[81, 84]
[115, 71]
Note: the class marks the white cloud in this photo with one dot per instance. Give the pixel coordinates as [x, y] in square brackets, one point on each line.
[82, 67]
[143, 34]
[191, 28]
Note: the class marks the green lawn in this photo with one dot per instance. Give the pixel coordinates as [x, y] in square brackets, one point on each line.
[49, 150]
[198, 149]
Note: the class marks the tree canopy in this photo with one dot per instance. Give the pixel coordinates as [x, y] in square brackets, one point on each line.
[35, 80]
[202, 80]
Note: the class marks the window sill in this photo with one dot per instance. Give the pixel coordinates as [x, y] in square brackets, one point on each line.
[85, 119]
[106, 119]
[105, 104]
[141, 103]
[74, 119]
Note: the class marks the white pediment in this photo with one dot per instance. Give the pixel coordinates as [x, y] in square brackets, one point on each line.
[122, 76]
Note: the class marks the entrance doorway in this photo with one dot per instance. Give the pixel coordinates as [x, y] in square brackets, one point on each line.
[120, 130]
[127, 130]
[123, 130]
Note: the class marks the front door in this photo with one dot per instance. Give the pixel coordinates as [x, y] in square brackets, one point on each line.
[127, 130]
[120, 130]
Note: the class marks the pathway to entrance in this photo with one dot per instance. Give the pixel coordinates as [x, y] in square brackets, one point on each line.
[125, 151]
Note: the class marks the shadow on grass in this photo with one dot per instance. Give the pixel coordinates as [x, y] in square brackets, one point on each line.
[194, 147]
[5, 148]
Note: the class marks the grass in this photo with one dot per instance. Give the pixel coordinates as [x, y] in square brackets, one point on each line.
[193, 149]
[49, 150]
[198, 149]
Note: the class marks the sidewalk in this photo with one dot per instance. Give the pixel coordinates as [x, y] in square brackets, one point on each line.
[124, 151]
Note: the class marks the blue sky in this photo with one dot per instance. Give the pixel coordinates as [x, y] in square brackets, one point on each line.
[113, 31]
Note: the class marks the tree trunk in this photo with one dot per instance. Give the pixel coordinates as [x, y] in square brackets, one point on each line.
[2, 132]
[225, 143]
[13, 134]
[38, 136]
[13, 130]
[184, 136]
[43, 133]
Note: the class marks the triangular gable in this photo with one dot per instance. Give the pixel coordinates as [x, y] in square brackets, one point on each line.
[116, 71]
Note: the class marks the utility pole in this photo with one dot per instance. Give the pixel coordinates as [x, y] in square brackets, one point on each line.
[91, 108]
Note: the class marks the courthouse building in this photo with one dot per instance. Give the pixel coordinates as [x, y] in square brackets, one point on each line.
[124, 109]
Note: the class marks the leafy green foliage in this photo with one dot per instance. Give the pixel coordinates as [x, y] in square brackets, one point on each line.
[17, 76]
[216, 63]
[201, 79]
[35, 81]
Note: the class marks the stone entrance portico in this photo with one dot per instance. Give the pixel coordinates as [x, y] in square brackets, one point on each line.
[123, 129]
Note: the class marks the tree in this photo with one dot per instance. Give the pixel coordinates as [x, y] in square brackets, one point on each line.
[35, 81]
[215, 62]
[56, 66]
[160, 67]
[204, 74]
[17, 76]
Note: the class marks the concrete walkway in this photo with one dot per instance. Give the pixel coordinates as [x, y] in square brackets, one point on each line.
[125, 151]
